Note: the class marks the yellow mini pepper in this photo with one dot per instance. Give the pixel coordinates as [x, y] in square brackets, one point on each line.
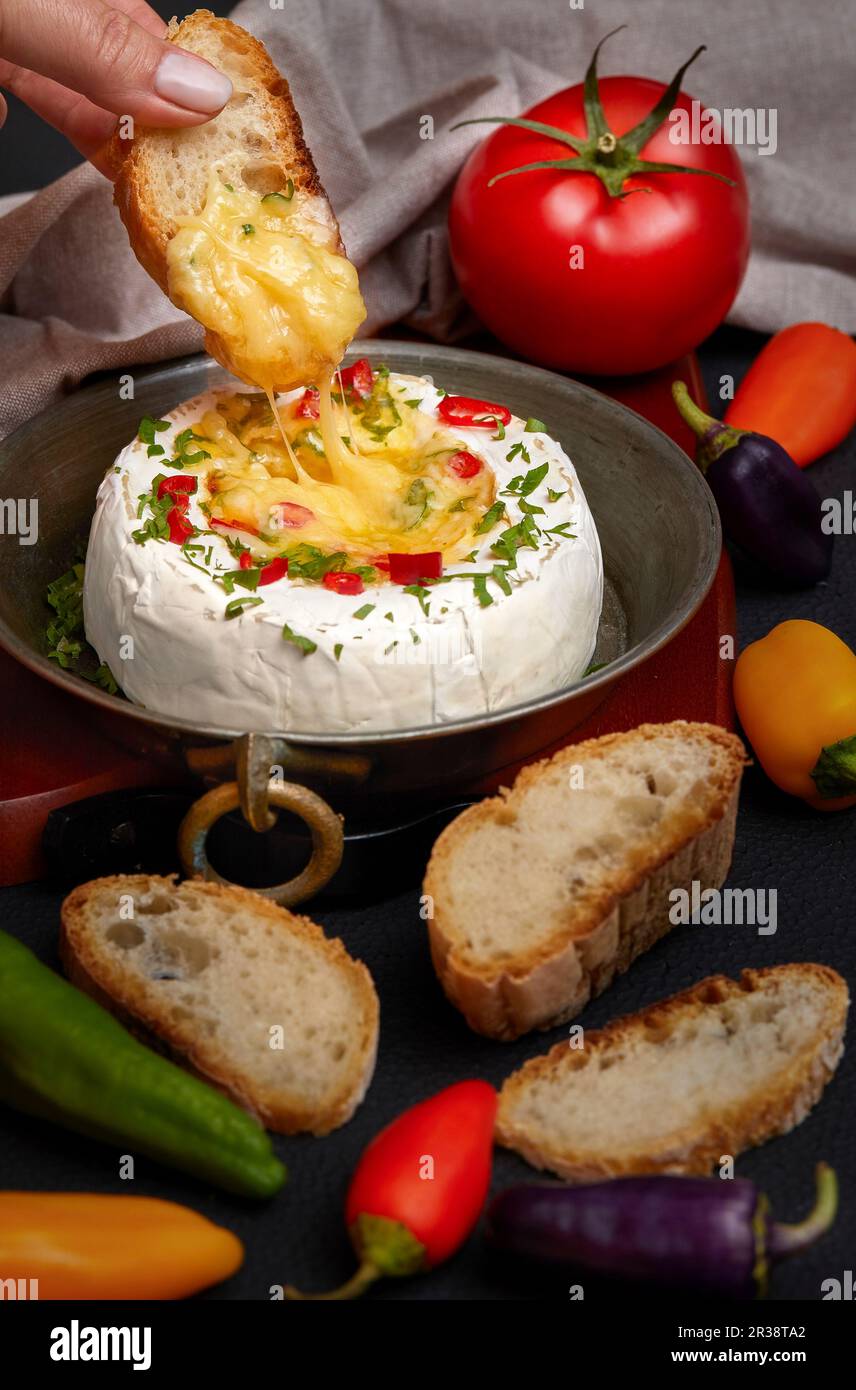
[78, 1245]
[795, 692]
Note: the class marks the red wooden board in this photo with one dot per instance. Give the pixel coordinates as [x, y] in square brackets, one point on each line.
[54, 752]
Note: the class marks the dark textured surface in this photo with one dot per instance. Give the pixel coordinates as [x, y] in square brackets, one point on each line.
[808, 858]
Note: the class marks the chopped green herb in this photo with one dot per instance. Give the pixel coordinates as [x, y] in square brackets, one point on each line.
[471, 558]
[480, 586]
[594, 666]
[500, 574]
[500, 429]
[364, 611]
[388, 649]
[528, 509]
[305, 644]
[415, 638]
[389, 617]
[526, 483]
[278, 202]
[561, 531]
[149, 427]
[154, 450]
[237, 605]
[553, 495]
[413, 404]
[461, 505]
[337, 650]
[248, 229]
[517, 449]
[534, 426]
[491, 518]
[421, 593]
[246, 579]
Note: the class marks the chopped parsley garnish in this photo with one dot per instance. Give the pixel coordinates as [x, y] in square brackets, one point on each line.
[491, 518]
[534, 426]
[148, 429]
[517, 449]
[421, 593]
[248, 229]
[185, 457]
[500, 574]
[389, 617]
[418, 496]
[471, 558]
[388, 649]
[510, 541]
[363, 612]
[413, 404]
[156, 526]
[592, 667]
[415, 638]
[500, 429]
[275, 199]
[246, 579]
[304, 644]
[337, 650]
[460, 506]
[554, 495]
[528, 509]
[66, 639]
[526, 483]
[237, 605]
[480, 586]
[561, 530]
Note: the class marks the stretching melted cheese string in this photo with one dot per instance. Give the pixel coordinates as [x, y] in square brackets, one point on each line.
[279, 308]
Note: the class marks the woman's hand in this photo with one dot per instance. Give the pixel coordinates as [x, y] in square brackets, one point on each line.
[81, 63]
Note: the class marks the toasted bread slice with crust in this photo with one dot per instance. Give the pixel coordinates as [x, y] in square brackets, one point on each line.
[256, 140]
[712, 1071]
[541, 895]
[248, 996]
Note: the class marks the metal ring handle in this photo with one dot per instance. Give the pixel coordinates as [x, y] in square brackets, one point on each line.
[325, 825]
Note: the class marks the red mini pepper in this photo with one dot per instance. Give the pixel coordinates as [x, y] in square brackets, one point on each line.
[466, 410]
[181, 528]
[341, 582]
[464, 464]
[419, 1187]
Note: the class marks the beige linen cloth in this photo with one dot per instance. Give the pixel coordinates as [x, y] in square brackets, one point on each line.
[364, 73]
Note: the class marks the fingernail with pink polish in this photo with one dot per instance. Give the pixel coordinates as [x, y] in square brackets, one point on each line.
[192, 83]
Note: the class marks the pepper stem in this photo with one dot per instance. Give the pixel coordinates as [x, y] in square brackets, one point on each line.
[714, 437]
[834, 773]
[364, 1277]
[788, 1239]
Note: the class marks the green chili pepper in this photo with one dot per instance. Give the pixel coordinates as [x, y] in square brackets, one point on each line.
[66, 1059]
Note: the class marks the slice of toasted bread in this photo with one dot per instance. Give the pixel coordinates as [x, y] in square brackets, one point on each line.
[256, 141]
[250, 997]
[540, 895]
[672, 1089]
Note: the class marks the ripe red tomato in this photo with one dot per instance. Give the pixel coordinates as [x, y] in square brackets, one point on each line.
[659, 270]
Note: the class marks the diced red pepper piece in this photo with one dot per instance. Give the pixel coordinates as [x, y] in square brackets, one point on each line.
[273, 570]
[247, 561]
[380, 562]
[341, 583]
[235, 525]
[467, 411]
[181, 528]
[289, 514]
[359, 378]
[409, 569]
[464, 464]
[307, 407]
[180, 485]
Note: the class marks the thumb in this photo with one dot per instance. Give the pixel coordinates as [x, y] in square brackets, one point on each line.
[104, 55]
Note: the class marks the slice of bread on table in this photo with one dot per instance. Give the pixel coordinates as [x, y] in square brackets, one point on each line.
[541, 895]
[256, 142]
[247, 995]
[673, 1089]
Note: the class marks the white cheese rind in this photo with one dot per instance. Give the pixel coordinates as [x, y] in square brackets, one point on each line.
[185, 660]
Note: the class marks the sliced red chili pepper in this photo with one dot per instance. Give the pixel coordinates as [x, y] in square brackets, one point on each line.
[307, 407]
[181, 528]
[467, 411]
[341, 583]
[464, 465]
[180, 485]
[289, 514]
[234, 525]
[273, 570]
[380, 562]
[247, 561]
[359, 378]
[409, 569]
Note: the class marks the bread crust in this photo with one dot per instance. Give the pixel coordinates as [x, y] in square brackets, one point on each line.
[551, 982]
[148, 229]
[784, 1103]
[110, 987]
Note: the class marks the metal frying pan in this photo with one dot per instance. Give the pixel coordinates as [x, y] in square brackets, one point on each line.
[659, 532]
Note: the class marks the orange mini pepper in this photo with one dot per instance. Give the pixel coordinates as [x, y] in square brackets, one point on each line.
[79, 1245]
[795, 692]
[800, 391]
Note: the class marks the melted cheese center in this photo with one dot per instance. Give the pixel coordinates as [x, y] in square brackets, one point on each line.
[279, 307]
[277, 480]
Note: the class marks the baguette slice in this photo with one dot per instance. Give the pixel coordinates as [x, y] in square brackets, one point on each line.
[255, 143]
[541, 895]
[712, 1071]
[211, 971]
[256, 140]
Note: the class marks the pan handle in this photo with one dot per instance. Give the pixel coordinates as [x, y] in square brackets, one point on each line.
[255, 792]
